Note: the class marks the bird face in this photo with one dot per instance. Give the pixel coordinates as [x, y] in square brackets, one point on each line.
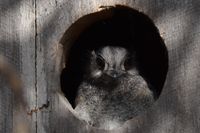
[113, 62]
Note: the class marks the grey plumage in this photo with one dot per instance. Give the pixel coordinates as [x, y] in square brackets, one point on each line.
[112, 91]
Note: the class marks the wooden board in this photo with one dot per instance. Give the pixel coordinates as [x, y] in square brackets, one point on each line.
[32, 30]
[177, 108]
[17, 45]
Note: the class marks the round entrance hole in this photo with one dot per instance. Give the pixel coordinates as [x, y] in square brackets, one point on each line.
[116, 66]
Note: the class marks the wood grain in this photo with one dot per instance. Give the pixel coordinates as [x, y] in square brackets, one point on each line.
[30, 32]
[17, 45]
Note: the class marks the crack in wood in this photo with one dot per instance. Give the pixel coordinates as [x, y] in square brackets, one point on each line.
[35, 110]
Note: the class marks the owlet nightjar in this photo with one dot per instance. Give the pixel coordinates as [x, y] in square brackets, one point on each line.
[112, 90]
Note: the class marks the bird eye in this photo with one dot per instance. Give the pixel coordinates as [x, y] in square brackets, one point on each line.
[100, 62]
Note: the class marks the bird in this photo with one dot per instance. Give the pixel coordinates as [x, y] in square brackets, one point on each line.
[112, 90]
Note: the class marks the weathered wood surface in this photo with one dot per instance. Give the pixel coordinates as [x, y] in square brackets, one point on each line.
[32, 30]
[176, 110]
[17, 44]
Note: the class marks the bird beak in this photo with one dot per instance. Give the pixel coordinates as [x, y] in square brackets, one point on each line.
[113, 73]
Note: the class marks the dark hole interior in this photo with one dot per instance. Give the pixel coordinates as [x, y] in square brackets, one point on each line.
[127, 28]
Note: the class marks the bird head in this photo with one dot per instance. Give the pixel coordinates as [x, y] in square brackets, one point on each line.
[113, 62]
